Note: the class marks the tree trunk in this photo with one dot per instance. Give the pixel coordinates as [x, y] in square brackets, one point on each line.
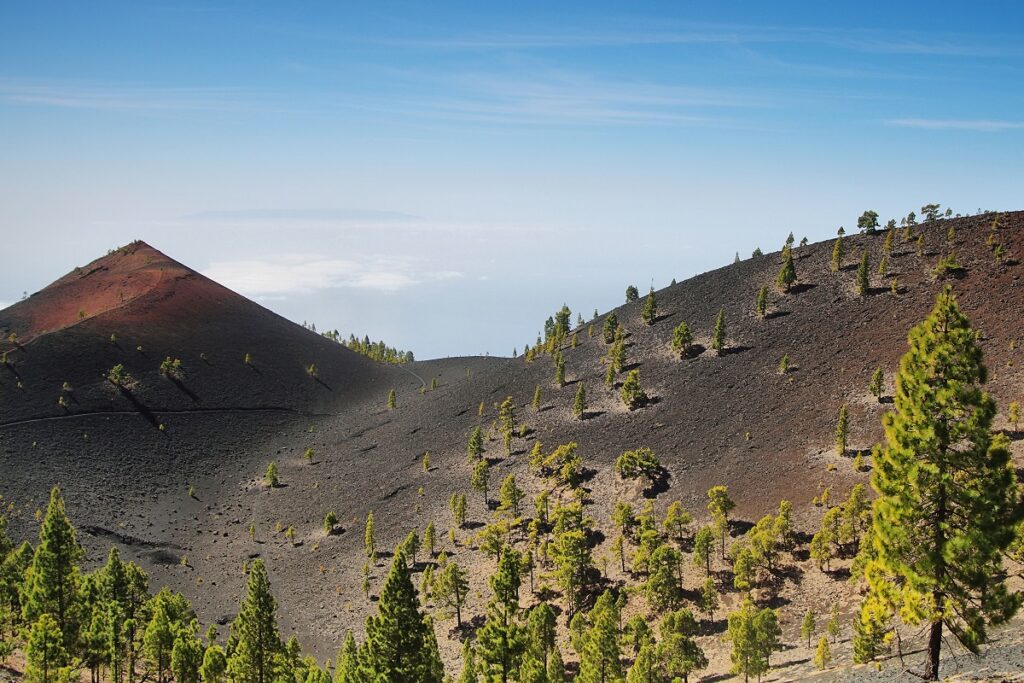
[931, 672]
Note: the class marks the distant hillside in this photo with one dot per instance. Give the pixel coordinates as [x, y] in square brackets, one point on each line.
[136, 307]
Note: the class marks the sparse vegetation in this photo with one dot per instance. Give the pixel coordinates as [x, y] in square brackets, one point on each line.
[632, 393]
[270, 478]
[682, 339]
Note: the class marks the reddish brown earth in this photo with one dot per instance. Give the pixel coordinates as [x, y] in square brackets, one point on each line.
[729, 420]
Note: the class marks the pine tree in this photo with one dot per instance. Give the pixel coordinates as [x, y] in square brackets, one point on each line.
[720, 505]
[703, 542]
[481, 478]
[540, 641]
[761, 304]
[53, 580]
[475, 447]
[254, 631]
[682, 338]
[556, 669]
[709, 597]
[368, 541]
[1014, 415]
[510, 497]
[837, 254]
[611, 324]
[158, 640]
[632, 294]
[877, 384]
[45, 655]
[426, 461]
[942, 537]
[536, 399]
[823, 655]
[579, 406]
[870, 626]
[754, 635]
[663, 571]
[501, 640]
[270, 477]
[832, 627]
[677, 521]
[469, 665]
[457, 503]
[718, 336]
[842, 431]
[573, 561]
[807, 626]
[400, 644]
[430, 539]
[649, 313]
[451, 586]
[679, 653]
[632, 393]
[646, 666]
[392, 400]
[787, 275]
[215, 665]
[600, 658]
[559, 370]
[186, 656]
[863, 275]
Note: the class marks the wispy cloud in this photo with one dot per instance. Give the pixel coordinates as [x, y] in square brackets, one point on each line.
[563, 97]
[978, 125]
[281, 276]
[310, 215]
[133, 97]
[863, 40]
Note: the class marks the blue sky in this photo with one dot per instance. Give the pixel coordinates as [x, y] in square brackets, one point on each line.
[445, 175]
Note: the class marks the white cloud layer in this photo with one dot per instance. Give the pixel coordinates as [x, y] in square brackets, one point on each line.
[278, 277]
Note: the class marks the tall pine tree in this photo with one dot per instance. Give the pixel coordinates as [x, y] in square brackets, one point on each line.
[52, 582]
[254, 630]
[947, 497]
[400, 643]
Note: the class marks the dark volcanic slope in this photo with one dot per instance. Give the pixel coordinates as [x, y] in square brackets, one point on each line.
[714, 420]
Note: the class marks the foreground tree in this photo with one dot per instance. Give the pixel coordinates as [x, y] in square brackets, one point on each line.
[45, 656]
[451, 588]
[754, 634]
[501, 641]
[254, 630]
[53, 580]
[947, 496]
[400, 644]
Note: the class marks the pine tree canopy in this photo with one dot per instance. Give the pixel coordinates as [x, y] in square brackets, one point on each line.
[947, 497]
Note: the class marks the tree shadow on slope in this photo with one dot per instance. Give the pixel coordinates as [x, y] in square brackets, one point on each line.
[802, 287]
[139, 407]
[185, 390]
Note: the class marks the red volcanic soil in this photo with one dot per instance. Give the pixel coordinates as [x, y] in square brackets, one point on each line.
[136, 307]
[114, 281]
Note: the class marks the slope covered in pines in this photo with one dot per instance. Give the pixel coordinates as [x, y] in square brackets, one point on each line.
[171, 469]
